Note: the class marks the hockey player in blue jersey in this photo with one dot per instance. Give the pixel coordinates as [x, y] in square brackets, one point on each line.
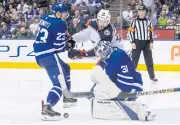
[51, 40]
[115, 73]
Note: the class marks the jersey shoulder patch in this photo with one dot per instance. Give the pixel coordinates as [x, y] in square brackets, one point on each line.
[108, 30]
[107, 33]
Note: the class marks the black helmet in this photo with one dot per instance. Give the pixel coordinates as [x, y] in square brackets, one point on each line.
[141, 7]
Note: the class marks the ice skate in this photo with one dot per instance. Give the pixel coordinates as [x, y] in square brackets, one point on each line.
[144, 114]
[69, 102]
[150, 116]
[48, 114]
[154, 80]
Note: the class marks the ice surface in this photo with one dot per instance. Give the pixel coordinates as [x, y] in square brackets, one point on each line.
[21, 92]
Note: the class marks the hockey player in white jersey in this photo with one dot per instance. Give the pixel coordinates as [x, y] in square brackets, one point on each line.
[114, 74]
[99, 29]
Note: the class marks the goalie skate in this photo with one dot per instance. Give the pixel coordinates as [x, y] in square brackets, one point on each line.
[48, 114]
[150, 116]
[144, 114]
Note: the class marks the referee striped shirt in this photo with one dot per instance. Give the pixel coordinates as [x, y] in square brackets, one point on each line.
[141, 29]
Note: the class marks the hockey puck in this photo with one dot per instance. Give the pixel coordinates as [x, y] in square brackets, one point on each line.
[66, 115]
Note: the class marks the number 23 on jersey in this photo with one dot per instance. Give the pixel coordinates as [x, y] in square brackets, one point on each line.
[43, 35]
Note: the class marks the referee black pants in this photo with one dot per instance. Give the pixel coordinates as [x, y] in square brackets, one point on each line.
[144, 45]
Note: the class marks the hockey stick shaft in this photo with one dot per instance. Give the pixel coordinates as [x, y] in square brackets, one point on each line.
[155, 92]
[121, 95]
[68, 94]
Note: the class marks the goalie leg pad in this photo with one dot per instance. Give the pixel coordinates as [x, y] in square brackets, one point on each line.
[107, 110]
[136, 110]
[103, 83]
[120, 110]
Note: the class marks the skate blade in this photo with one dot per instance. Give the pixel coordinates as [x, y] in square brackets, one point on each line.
[154, 82]
[150, 117]
[49, 118]
[68, 105]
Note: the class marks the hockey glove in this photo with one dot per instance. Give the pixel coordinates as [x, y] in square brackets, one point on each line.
[71, 44]
[76, 54]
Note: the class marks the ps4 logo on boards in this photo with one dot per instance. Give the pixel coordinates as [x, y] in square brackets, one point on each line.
[16, 51]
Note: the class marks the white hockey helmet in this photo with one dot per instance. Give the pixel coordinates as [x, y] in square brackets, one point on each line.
[103, 18]
[103, 49]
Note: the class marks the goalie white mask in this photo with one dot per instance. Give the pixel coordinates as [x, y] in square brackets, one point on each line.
[103, 18]
[103, 49]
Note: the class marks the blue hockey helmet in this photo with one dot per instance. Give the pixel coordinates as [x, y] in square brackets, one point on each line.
[63, 8]
[103, 49]
[59, 7]
[64, 11]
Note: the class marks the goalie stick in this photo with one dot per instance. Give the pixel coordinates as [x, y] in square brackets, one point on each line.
[68, 94]
[121, 95]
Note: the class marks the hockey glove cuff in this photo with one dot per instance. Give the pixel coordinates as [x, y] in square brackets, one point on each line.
[71, 44]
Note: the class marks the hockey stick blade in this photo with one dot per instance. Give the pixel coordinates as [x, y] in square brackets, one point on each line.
[68, 94]
[82, 94]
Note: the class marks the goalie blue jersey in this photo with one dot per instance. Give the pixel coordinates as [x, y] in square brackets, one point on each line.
[51, 36]
[122, 71]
